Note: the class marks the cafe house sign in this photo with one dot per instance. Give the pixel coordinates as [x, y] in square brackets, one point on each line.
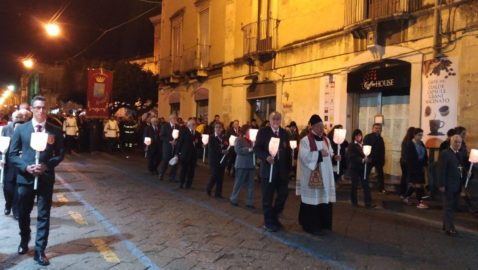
[391, 77]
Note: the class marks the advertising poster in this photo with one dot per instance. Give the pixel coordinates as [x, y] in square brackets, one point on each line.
[439, 97]
[327, 101]
[100, 84]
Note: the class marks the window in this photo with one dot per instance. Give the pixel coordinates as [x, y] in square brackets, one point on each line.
[203, 46]
[176, 42]
[262, 107]
[202, 108]
[175, 108]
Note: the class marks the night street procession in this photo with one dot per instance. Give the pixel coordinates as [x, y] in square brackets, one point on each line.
[239, 134]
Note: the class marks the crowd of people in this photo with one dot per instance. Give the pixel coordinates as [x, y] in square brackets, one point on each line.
[315, 159]
[316, 163]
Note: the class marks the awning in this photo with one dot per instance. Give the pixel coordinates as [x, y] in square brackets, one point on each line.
[174, 97]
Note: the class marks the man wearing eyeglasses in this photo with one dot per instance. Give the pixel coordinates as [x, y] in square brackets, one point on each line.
[22, 155]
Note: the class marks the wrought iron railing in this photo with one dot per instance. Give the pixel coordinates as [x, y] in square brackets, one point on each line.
[357, 11]
[260, 36]
[195, 57]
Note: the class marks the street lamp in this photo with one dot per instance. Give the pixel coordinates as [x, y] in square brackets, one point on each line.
[11, 87]
[28, 63]
[52, 29]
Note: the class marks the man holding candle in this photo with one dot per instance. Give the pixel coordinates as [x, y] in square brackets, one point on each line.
[186, 150]
[168, 144]
[450, 173]
[22, 155]
[377, 157]
[280, 164]
[153, 153]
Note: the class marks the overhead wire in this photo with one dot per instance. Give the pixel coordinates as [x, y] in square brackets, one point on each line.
[112, 29]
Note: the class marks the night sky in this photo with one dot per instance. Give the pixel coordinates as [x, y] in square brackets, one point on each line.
[21, 32]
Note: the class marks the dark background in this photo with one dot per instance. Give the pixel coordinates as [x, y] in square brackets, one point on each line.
[21, 32]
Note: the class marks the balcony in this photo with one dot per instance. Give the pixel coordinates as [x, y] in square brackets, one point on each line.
[359, 11]
[195, 58]
[260, 38]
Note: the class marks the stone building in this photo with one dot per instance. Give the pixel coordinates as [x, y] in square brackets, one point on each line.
[354, 62]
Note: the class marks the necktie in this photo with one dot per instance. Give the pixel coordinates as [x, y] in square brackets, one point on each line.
[39, 128]
[276, 133]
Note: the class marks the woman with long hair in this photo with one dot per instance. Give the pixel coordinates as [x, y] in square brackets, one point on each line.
[403, 161]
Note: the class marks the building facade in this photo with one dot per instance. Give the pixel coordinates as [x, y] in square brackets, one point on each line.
[354, 62]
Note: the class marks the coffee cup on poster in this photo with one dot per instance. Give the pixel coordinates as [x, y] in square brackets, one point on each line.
[444, 110]
[435, 125]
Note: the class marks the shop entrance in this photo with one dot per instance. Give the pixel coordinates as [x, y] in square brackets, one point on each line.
[394, 110]
[380, 92]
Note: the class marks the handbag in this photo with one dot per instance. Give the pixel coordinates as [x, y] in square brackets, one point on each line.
[315, 179]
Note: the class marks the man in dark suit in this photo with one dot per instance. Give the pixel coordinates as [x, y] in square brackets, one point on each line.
[10, 171]
[233, 130]
[451, 171]
[186, 150]
[377, 156]
[168, 144]
[153, 153]
[23, 157]
[280, 174]
[217, 147]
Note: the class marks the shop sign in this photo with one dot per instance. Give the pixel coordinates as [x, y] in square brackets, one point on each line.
[439, 97]
[390, 80]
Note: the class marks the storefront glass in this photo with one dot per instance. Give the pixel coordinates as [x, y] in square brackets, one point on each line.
[262, 107]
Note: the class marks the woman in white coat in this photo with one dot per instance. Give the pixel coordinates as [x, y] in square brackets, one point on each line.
[315, 153]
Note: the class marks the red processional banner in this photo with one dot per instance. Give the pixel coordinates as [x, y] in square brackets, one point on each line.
[100, 84]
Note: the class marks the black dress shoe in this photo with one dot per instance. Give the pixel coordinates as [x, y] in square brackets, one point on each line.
[452, 233]
[7, 211]
[271, 228]
[41, 258]
[22, 249]
[219, 196]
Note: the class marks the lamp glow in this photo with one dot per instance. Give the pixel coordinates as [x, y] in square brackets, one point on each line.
[339, 138]
[367, 149]
[205, 141]
[38, 143]
[52, 29]
[175, 133]
[273, 150]
[28, 63]
[4, 143]
[473, 159]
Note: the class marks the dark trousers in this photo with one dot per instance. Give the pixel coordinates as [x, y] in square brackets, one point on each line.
[357, 177]
[403, 179]
[216, 179]
[26, 197]
[379, 171]
[450, 203]
[153, 161]
[187, 173]
[272, 211]
[70, 143]
[112, 144]
[230, 162]
[165, 157]
[11, 197]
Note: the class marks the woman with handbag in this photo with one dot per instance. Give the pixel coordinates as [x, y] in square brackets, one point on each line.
[315, 179]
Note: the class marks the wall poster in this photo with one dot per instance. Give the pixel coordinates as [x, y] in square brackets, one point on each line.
[439, 97]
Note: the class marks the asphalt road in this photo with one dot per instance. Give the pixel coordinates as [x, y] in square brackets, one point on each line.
[109, 213]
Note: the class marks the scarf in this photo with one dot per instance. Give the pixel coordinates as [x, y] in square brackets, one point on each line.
[313, 145]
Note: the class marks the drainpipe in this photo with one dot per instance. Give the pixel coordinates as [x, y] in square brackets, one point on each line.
[437, 45]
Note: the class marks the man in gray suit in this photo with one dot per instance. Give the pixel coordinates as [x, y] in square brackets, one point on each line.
[22, 155]
[450, 167]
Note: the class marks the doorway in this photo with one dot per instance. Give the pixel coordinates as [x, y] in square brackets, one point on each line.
[395, 112]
